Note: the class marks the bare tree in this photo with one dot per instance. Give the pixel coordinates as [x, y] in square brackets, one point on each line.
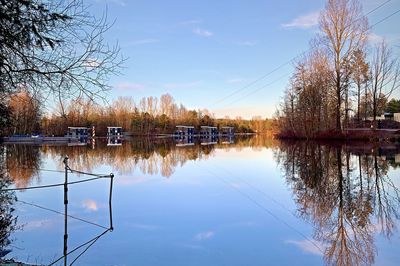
[55, 49]
[384, 74]
[360, 70]
[344, 30]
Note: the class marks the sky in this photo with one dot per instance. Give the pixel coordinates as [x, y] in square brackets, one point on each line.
[220, 55]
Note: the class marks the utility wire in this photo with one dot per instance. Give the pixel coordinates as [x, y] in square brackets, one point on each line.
[63, 171]
[265, 209]
[43, 169]
[55, 211]
[258, 89]
[294, 58]
[53, 185]
[256, 189]
[256, 80]
[84, 173]
[92, 241]
[385, 18]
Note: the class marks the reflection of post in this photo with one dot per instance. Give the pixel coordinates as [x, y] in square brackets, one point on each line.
[66, 211]
[109, 200]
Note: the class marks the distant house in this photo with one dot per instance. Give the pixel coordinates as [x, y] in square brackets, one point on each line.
[391, 116]
[114, 131]
[208, 131]
[226, 131]
[78, 132]
[387, 116]
[184, 131]
[114, 141]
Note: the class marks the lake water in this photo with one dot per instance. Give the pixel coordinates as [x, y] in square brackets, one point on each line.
[241, 201]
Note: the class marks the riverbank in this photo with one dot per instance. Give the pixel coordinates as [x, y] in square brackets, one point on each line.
[360, 134]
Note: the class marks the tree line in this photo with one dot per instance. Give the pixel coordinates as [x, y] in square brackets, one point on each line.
[342, 79]
[150, 115]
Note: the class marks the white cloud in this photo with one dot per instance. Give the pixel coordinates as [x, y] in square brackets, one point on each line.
[129, 86]
[204, 235]
[304, 22]
[90, 205]
[307, 246]
[375, 38]
[203, 32]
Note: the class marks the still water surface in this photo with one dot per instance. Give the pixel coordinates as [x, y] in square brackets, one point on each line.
[247, 201]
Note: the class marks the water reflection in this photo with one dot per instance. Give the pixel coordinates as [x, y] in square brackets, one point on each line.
[84, 247]
[346, 193]
[8, 222]
[22, 162]
[149, 156]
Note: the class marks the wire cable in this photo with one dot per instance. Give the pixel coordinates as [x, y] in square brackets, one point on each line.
[58, 212]
[53, 185]
[265, 209]
[91, 174]
[294, 58]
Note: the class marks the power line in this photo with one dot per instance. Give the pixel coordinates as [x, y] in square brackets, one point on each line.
[292, 59]
[265, 209]
[54, 185]
[43, 169]
[256, 80]
[55, 211]
[91, 242]
[255, 188]
[258, 89]
[385, 18]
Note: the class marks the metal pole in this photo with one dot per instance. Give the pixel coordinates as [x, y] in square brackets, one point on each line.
[65, 211]
[109, 200]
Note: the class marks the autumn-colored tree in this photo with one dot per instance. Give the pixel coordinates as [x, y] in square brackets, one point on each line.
[25, 113]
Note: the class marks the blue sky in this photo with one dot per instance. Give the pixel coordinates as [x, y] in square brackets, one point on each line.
[201, 52]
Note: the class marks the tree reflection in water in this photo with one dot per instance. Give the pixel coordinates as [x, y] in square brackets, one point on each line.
[22, 163]
[344, 190]
[8, 222]
[149, 156]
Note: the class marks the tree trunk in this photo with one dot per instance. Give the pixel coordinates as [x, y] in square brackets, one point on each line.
[338, 103]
